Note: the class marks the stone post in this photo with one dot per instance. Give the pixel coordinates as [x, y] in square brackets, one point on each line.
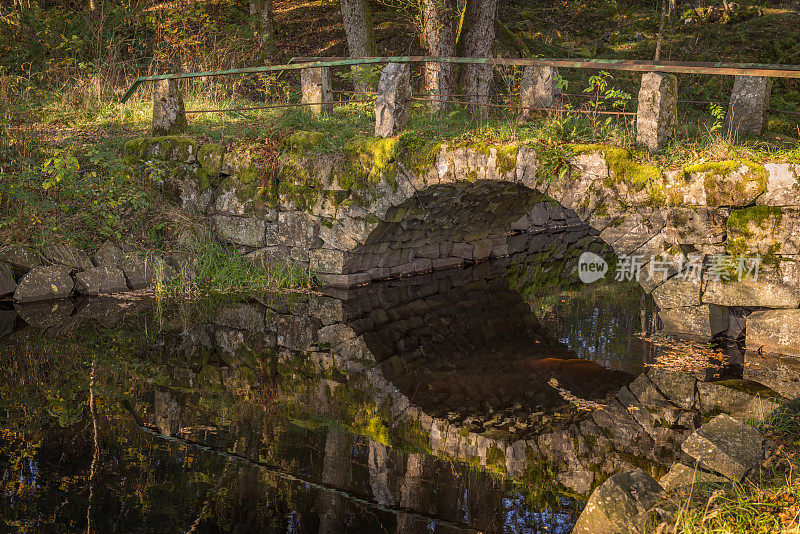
[538, 90]
[169, 115]
[747, 112]
[393, 103]
[657, 115]
[316, 86]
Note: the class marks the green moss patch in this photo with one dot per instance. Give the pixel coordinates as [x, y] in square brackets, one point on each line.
[623, 169]
[210, 157]
[302, 142]
[721, 190]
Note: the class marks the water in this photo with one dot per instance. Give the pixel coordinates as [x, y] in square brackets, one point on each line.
[370, 410]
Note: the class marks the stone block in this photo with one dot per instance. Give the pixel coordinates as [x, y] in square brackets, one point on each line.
[780, 374]
[702, 322]
[677, 292]
[749, 102]
[682, 476]
[108, 255]
[66, 256]
[774, 331]
[678, 387]
[657, 115]
[240, 230]
[538, 91]
[620, 504]
[21, 259]
[783, 185]
[169, 113]
[741, 399]
[44, 283]
[327, 261]
[726, 446]
[315, 85]
[99, 280]
[393, 103]
[139, 271]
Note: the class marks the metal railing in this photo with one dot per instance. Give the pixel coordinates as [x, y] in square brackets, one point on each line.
[683, 67]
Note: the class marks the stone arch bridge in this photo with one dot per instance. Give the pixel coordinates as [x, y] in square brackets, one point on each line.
[387, 207]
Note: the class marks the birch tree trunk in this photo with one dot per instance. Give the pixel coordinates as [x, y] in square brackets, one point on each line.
[478, 40]
[357, 20]
[439, 40]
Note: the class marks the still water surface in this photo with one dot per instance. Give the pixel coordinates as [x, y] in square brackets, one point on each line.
[304, 413]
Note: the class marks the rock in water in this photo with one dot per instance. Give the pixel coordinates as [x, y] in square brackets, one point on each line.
[726, 446]
[99, 280]
[7, 283]
[620, 505]
[43, 283]
[169, 114]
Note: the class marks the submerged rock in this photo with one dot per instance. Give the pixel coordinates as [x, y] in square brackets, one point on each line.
[99, 280]
[726, 446]
[43, 283]
[621, 505]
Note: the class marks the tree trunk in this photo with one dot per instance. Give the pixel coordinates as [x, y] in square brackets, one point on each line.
[661, 30]
[263, 24]
[360, 36]
[439, 40]
[478, 43]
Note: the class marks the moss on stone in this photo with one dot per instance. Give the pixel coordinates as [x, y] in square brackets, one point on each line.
[302, 142]
[366, 161]
[496, 459]
[742, 220]
[623, 169]
[210, 157]
[719, 192]
[178, 148]
[416, 153]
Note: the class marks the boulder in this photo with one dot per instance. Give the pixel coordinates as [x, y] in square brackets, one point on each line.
[67, 256]
[677, 387]
[21, 259]
[774, 331]
[726, 446]
[741, 399]
[99, 280]
[139, 271]
[681, 476]
[45, 282]
[780, 374]
[620, 505]
[7, 283]
[108, 255]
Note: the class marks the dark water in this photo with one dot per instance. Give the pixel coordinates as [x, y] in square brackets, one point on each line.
[306, 413]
